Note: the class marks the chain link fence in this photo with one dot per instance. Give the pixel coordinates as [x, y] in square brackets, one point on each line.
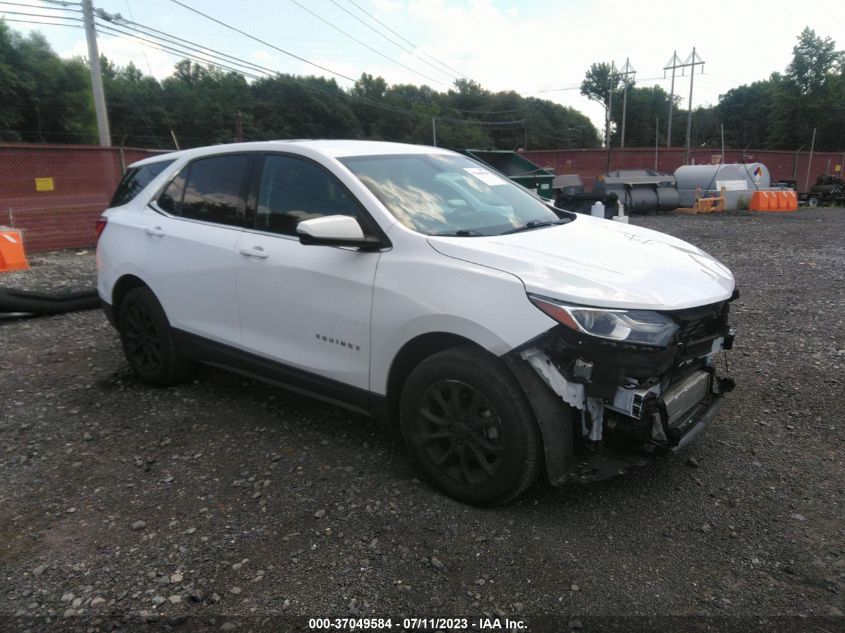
[54, 193]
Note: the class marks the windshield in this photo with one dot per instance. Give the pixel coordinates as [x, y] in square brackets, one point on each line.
[440, 194]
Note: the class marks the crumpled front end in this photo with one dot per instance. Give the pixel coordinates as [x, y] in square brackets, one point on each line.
[631, 399]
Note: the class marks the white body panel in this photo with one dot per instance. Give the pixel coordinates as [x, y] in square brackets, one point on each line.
[190, 268]
[599, 263]
[307, 306]
[272, 296]
[418, 291]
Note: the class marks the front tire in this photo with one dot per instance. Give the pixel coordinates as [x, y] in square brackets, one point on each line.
[469, 427]
[148, 341]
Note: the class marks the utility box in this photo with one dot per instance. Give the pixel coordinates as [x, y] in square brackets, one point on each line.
[517, 168]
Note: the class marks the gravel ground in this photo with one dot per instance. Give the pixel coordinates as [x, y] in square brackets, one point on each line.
[225, 504]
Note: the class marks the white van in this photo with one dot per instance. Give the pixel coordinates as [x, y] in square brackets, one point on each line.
[506, 338]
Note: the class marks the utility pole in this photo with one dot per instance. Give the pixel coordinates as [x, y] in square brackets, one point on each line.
[96, 74]
[433, 132]
[656, 139]
[626, 71]
[691, 61]
[239, 127]
[674, 64]
[810, 161]
[612, 86]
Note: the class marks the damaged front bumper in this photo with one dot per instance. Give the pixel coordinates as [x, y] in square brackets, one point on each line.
[627, 404]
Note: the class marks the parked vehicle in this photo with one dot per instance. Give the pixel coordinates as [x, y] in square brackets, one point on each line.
[828, 190]
[504, 337]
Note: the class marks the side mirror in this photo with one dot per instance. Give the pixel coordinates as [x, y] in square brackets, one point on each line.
[335, 230]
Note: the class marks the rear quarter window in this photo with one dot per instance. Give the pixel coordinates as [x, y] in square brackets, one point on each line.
[135, 180]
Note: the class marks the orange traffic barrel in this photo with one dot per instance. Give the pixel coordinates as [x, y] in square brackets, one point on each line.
[12, 256]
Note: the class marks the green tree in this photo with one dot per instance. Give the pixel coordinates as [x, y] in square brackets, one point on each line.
[746, 113]
[810, 96]
[813, 61]
[135, 102]
[204, 103]
[302, 107]
[644, 106]
[45, 99]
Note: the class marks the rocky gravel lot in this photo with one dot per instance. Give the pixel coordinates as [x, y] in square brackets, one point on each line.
[226, 504]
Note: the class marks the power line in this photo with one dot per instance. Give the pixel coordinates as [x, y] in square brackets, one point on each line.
[39, 7]
[119, 20]
[208, 56]
[110, 30]
[450, 74]
[177, 45]
[177, 51]
[364, 44]
[37, 15]
[252, 37]
[171, 43]
[76, 26]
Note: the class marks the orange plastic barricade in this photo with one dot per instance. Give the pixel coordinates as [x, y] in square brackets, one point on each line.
[793, 201]
[773, 201]
[759, 201]
[12, 256]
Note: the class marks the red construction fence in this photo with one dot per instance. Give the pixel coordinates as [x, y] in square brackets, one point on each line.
[54, 193]
[590, 163]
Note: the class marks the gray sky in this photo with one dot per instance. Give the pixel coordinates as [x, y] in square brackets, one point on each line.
[536, 48]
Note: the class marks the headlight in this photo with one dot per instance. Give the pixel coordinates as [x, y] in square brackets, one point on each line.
[644, 327]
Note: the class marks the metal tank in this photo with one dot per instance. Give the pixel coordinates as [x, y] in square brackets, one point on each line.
[740, 180]
[640, 190]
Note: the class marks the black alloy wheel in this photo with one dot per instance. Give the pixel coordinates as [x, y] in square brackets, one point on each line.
[148, 340]
[469, 427]
[460, 431]
[143, 339]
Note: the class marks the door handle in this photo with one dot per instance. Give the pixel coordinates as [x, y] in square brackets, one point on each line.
[255, 251]
[154, 231]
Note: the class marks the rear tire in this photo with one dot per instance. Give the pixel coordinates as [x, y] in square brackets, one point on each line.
[148, 341]
[469, 427]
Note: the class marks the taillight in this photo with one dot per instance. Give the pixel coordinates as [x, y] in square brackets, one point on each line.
[101, 225]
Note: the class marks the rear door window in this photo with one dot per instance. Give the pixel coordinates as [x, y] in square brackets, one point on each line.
[135, 180]
[210, 189]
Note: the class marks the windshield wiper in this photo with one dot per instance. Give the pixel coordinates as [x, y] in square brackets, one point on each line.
[458, 233]
[534, 224]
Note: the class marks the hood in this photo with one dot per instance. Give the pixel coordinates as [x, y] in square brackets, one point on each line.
[600, 263]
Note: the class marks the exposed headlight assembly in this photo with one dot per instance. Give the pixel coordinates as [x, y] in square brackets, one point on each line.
[643, 327]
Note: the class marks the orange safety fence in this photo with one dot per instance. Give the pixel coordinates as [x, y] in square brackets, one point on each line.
[53, 194]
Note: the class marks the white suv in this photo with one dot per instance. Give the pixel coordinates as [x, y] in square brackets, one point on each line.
[505, 337]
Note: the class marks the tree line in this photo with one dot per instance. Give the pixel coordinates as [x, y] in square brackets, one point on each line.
[46, 99]
[775, 113]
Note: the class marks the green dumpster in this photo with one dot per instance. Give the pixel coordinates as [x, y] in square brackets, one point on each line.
[517, 168]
